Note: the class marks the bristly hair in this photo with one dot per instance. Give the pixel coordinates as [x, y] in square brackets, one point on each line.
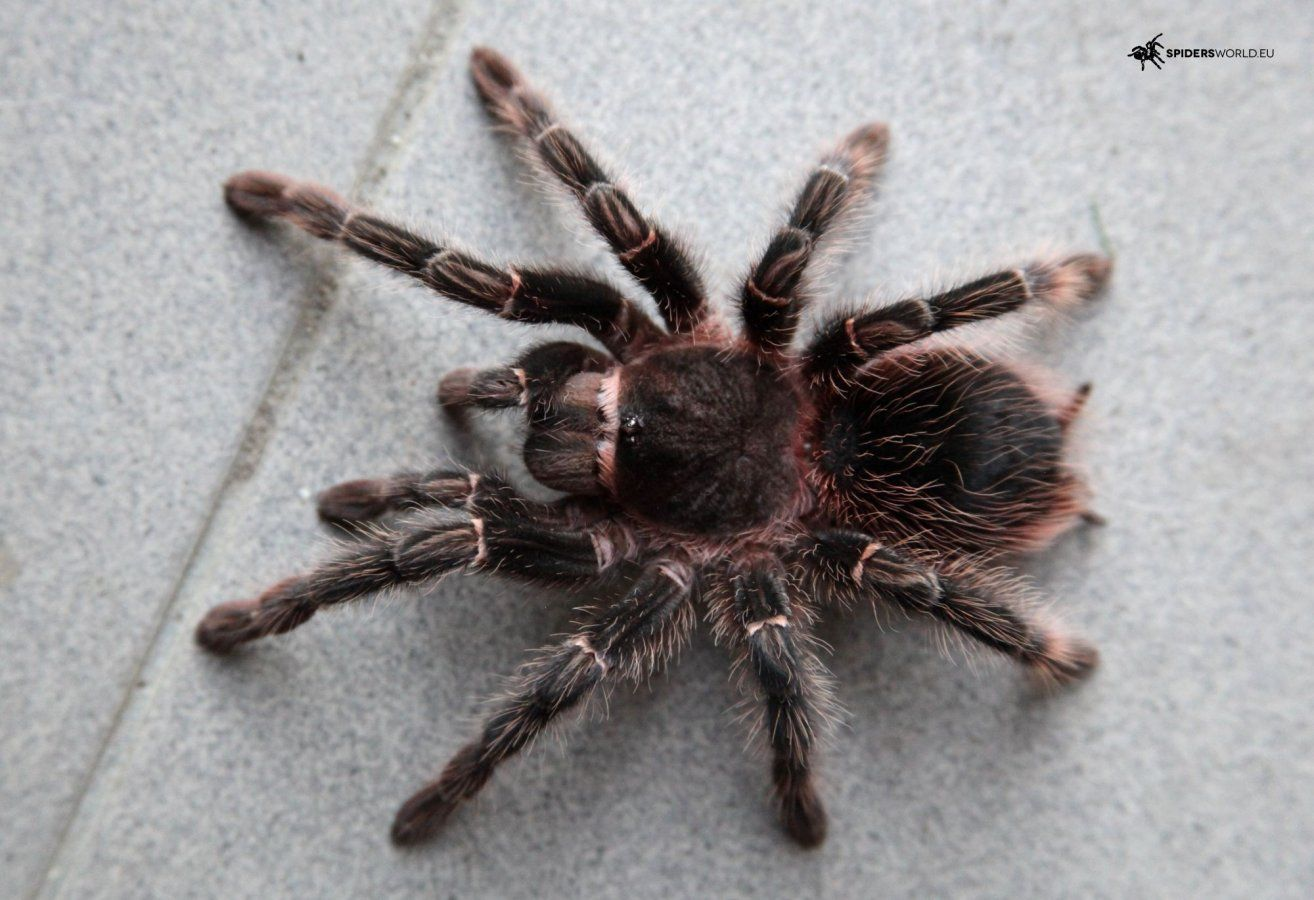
[886, 461]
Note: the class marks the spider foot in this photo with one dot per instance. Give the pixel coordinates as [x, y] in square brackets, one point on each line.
[1080, 277]
[1065, 660]
[268, 195]
[229, 625]
[258, 195]
[354, 501]
[276, 611]
[423, 815]
[804, 817]
[454, 390]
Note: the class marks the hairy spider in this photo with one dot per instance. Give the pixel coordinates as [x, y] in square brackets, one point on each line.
[702, 466]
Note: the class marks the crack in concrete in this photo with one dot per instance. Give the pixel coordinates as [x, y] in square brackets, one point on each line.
[10, 566]
[1098, 221]
[390, 141]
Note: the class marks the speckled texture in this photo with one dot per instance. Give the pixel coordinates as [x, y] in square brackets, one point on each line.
[1182, 769]
[138, 328]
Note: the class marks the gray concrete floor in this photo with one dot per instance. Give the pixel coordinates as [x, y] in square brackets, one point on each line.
[177, 386]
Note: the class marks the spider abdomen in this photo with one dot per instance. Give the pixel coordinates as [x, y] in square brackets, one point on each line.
[949, 450]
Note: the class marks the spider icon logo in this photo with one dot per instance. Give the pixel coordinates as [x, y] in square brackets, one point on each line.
[1148, 52]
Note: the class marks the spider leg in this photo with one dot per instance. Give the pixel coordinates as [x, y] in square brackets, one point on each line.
[1072, 409]
[499, 533]
[773, 294]
[646, 251]
[500, 387]
[630, 638]
[534, 383]
[986, 606]
[531, 382]
[519, 294]
[845, 344]
[753, 613]
[361, 500]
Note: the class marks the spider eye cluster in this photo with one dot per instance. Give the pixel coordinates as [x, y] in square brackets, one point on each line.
[631, 426]
[704, 440]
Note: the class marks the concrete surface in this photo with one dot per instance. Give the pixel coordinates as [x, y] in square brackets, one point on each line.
[139, 330]
[176, 387]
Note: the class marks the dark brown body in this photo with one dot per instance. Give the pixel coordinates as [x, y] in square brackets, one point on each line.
[944, 450]
[710, 440]
[723, 467]
[937, 449]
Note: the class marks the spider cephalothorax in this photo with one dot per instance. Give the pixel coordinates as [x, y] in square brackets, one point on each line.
[765, 482]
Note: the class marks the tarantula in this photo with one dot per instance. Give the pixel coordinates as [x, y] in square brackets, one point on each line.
[701, 466]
